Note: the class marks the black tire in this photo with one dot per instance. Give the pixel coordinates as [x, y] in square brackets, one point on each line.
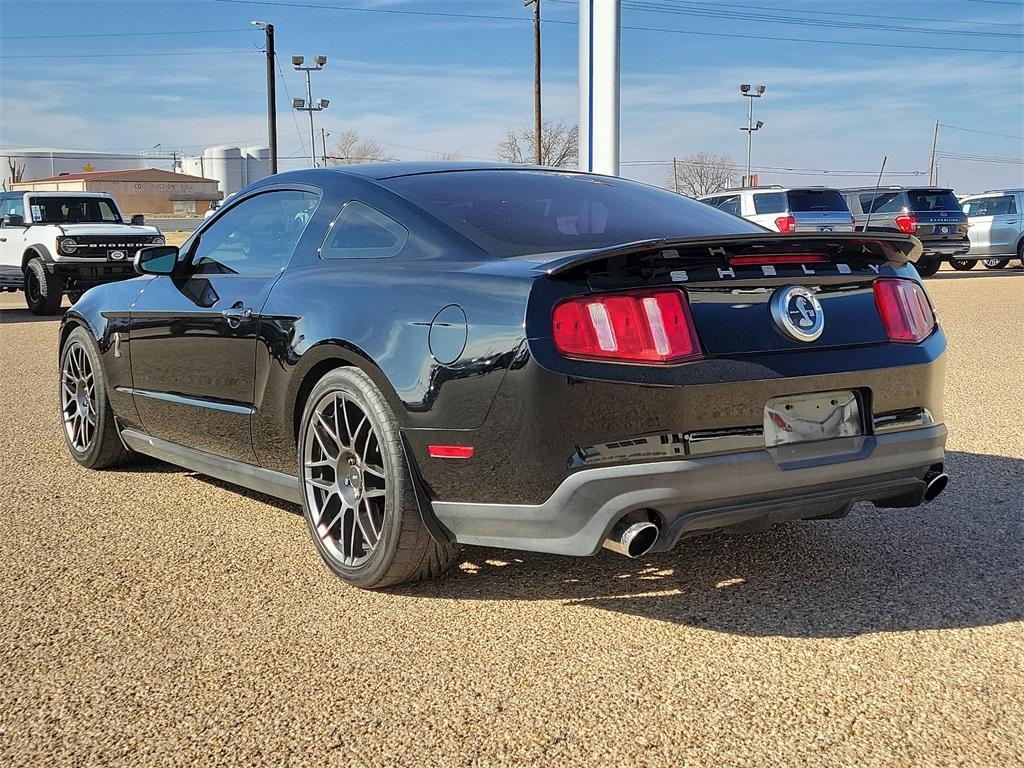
[927, 267]
[963, 265]
[995, 263]
[405, 551]
[42, 290]
[105, 449]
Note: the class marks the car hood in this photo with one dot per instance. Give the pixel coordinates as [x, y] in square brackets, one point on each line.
[108, 229]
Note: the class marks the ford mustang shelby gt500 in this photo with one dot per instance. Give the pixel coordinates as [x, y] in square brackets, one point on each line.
[427, 355]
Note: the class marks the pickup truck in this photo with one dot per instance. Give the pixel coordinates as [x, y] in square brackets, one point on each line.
[52, 243]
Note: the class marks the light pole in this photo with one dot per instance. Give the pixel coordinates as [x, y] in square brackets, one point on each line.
[751, 126]
[307, 105]
[537, 124]
[271, 93]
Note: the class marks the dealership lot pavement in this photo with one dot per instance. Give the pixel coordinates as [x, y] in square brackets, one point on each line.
[153, 616]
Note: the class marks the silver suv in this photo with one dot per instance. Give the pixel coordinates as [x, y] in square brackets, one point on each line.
[995, 223]
[787, 209]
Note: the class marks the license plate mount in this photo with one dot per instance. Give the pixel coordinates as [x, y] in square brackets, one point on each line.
[812, 417]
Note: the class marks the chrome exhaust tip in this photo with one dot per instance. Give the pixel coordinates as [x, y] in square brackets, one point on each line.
[632, 539]
[934, 484]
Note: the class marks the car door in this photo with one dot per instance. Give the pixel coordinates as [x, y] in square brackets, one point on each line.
[1004, 228]
[12, 241]
[193, 335]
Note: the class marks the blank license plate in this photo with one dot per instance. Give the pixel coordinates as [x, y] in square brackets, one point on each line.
[808, 418]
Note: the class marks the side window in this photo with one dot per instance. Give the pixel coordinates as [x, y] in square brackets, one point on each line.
[362, 232]
[883, 202]
[772, 202]
[14, 204]
[712, 201]
[256, 237]
[730, 204]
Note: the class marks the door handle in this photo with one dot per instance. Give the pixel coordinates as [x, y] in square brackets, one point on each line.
[236, 314]
[3, 239]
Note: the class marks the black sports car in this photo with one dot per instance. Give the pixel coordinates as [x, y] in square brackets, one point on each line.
[426, 355]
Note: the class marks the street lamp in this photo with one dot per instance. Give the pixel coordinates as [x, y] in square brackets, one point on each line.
[758, 91]
[307, 104]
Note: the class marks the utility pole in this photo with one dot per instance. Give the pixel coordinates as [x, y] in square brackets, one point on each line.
[307, 105]
[323, 143]
[537, 123]
[751, 127]
[271, 93]
[932, 174]
[675, 177]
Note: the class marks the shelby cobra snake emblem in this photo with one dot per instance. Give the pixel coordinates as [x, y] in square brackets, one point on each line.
[798, 313]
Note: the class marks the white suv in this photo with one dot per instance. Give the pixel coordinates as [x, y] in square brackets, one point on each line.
[995, 222]
[787, 209]
[52, 243]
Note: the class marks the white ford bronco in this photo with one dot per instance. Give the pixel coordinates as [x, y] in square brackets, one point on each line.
[52, 243]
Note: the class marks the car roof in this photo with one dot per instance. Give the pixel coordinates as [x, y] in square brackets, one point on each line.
[994, 193]
[105, 195]
[897, 188]
[773, 188]
[380, 171]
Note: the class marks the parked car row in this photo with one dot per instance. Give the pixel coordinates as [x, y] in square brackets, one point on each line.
[979, 228]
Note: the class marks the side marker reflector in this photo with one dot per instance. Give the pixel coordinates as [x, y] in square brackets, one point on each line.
[450, 451]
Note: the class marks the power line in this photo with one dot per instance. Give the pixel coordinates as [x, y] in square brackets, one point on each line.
[122, 55]
[701, 10]
[738, 36]
[986, 133]
[124, 34]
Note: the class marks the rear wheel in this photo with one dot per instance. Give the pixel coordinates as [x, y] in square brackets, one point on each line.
[42, 289]
[927, 267]
[963, 265]
[996, 263]
[357, 494]
[89, 427]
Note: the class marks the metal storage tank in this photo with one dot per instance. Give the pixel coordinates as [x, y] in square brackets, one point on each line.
[257, 163]
[224, 163]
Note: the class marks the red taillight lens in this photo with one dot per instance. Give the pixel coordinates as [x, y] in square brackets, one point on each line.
[905, 310]
[634, 327]
[785, 224]
[906, 222]
[853, 224]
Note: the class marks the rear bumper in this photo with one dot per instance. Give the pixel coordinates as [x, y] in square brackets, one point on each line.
[700, 494]
[946, 249]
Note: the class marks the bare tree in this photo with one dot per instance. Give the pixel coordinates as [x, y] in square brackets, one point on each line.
[702, 173]
[447, 156]
[17, 171]
[559, 145]
[350, 150]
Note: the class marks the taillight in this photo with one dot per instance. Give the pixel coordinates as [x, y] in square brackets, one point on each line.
[904, 308]
[906, 222]
[785, 224]
[633, 327]
[853, 224]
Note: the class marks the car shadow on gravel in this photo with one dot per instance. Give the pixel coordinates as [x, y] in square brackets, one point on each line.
[957, 562]
[11, 316]
[976, 272]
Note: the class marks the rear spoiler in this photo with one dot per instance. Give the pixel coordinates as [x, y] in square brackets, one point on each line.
[896, 249]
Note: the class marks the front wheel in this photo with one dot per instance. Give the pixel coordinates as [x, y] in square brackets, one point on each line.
[927, 267]
[42, 289]
[996, 263]
[89, 428]
[357, 493]
[963, 265]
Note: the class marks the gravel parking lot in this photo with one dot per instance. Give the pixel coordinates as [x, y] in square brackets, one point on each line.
[154, 616]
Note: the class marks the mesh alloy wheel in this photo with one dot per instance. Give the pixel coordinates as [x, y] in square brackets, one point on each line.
[344, 480]
[78, 398]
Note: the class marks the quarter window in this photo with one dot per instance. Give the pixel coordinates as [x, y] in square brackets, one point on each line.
[256, 237]
[883, 202]
[771, 202]
[362, 232]
[730, 204]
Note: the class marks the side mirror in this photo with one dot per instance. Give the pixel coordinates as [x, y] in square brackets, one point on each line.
[156, 260]
[138, 219]
[13, 220]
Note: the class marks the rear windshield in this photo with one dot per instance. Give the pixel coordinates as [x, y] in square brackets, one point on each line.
[514, 213]
[802, 200]
[931, 200]
[72, 210]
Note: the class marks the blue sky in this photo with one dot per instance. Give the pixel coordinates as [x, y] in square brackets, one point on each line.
[423, 84]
